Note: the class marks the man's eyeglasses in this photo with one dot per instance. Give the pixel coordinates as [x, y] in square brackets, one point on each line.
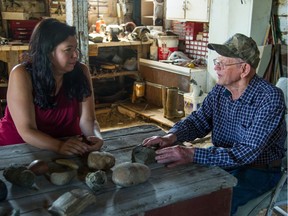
[222, 65]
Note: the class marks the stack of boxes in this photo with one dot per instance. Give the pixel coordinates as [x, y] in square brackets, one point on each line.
[195, 38]
[21, 29]
[179, 28]
[197, 48]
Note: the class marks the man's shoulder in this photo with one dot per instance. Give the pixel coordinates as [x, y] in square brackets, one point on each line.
[265, 87]
[266, 91]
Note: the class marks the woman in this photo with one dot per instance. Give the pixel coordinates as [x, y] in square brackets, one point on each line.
[50, 95]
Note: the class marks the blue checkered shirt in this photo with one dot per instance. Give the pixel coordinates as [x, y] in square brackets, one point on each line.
[251, 129]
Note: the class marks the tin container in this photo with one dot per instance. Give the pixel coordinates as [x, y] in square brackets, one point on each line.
[139, 88]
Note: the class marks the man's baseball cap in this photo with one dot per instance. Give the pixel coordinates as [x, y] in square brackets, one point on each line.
[239, 46]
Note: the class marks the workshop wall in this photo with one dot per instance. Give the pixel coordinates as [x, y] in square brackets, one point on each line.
[57, 9]
[113, 12]
[14, 10]
[33, 8]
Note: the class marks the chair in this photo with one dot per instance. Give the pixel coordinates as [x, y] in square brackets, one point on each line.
[276, 197]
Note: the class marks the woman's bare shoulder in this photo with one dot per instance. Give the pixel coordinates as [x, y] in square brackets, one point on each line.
[19, 68]
[18, 73]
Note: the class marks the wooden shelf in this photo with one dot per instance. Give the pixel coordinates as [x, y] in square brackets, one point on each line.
[15, 15]
[14, 47]
[93, 47]
[148, 17]
[142, 50]
[147, 12]
[176, 69]
[120, 43]
[115, 74]
[3, 84]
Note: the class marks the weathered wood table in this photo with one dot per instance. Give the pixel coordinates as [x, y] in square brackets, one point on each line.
[185, 190]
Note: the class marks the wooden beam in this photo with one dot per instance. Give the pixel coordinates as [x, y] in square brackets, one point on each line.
[77, 15]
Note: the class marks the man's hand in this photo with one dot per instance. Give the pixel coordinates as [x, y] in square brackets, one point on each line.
[175, 155]
[162, 142]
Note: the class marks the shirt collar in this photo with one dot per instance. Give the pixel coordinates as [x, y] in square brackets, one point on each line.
[248, 94]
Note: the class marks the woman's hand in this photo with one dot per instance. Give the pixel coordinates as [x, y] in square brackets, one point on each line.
[73, 146]
[175, 155]
[163, 141]
[95, 143]
[78, 146]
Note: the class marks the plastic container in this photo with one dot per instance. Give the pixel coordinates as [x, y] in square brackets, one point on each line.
[154, 51]
[99, 22]
[166, 46]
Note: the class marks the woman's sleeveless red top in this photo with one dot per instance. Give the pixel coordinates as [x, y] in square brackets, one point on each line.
[61, 121]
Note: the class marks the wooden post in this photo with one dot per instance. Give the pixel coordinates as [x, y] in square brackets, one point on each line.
[77, 15]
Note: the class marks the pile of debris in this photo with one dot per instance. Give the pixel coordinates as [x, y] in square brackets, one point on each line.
[111, 118]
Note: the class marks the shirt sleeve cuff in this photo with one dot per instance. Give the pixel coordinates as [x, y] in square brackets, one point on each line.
[180, 134]
[201, 155]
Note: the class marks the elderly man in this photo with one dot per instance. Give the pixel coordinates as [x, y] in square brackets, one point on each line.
[245, 115]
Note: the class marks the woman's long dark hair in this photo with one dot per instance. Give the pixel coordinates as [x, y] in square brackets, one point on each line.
[46, 36]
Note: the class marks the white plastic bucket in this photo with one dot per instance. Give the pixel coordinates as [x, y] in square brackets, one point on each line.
[192, 104]
[166, 46]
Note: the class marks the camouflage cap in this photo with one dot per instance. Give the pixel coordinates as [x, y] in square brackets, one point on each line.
[239, 46]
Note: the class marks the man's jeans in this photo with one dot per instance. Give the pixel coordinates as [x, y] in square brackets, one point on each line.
[252, 182]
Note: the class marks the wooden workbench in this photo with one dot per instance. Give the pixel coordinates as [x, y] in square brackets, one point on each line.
[183, 190]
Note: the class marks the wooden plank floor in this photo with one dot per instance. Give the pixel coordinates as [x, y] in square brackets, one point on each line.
[150, 112]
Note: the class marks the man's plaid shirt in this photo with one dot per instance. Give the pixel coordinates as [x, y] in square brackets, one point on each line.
[251, 129]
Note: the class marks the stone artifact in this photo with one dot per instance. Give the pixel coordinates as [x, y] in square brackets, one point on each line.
[19, 175]
[100, 160]
[144, 155]
[68, 163]
[62, 178]
[72, 203]
[96, 180]
[3, 191]
[128, 174]
[61, 175]
[38, 167]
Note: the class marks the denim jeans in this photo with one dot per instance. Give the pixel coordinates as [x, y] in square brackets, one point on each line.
[252, 183]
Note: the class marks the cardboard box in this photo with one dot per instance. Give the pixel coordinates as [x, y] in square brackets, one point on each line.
[15, 16]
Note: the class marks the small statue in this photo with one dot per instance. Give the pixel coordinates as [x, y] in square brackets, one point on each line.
[196, 89]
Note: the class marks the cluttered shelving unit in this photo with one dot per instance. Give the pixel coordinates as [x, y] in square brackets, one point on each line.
[140, 47]
[147, 12]
[113, 81]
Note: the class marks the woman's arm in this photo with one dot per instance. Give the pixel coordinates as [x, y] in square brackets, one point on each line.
[21, 106]
[88, 122]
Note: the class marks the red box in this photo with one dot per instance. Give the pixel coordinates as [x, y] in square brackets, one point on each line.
[165, 52]
[193, 28]
[21, 29]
